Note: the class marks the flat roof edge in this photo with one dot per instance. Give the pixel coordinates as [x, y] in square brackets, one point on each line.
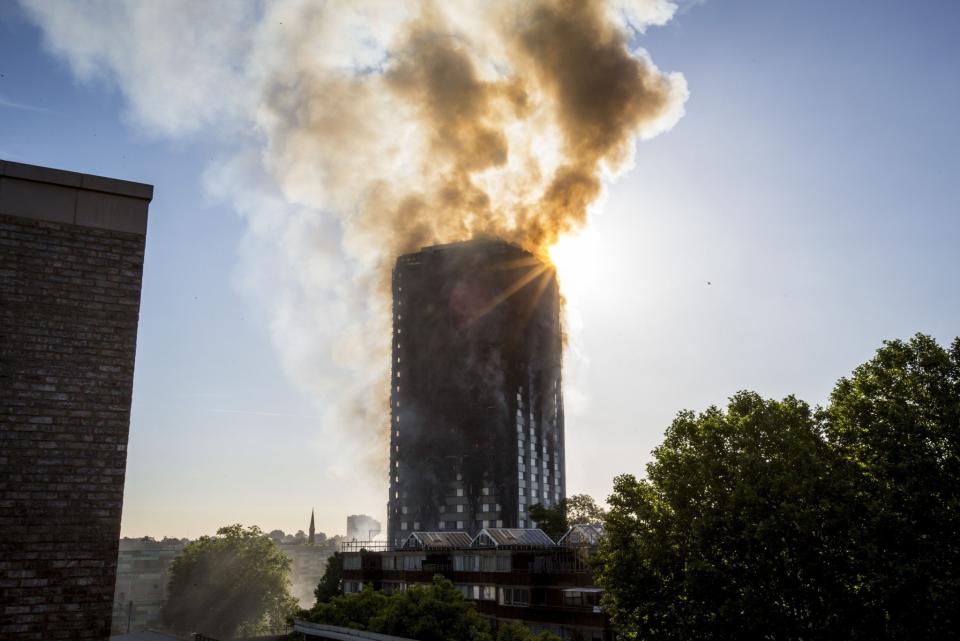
[76, 180]
[72, 198]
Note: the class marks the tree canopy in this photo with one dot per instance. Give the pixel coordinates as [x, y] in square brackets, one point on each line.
[555, 521]
[897, 421]
[435, 612]
[516, 631]
[329, 585]
[234, 583]
[768, 520]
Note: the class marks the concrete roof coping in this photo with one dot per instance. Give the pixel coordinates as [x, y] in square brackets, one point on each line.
[55, 195]
[76, 179]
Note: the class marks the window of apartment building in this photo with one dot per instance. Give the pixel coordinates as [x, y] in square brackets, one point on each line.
[515, 596]
[478, 592]
[352, 587]
[459, 525]
[499, 523]
[413, 561]
[486, 491]
[465, 562]
[485, 507]
[460, 509]
[389, 562]
[585, 598]
[391, 587]
[459, 491]
[441, 524]
[403, 525]
[351, 562]
[471, 592]
[416, 525]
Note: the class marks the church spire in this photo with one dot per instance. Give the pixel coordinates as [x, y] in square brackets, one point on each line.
[313, 530]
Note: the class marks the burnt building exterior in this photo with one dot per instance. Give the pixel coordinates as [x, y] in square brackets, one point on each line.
[71, 258]
[476, 403]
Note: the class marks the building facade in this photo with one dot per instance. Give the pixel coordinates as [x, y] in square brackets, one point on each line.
[71, 259]
[510, 574]
[143, 573]
[476, 398]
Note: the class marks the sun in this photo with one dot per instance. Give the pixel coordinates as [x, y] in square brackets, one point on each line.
[574, 257]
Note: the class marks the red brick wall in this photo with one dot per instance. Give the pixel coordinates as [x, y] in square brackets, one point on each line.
[69, 305]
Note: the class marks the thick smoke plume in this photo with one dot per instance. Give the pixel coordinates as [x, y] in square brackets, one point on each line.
[352, 132]
[479, 119]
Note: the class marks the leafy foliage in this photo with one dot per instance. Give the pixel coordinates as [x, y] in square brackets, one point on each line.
[516, 631]
[329, 585]
[437, 612]
[555, 521]
[234, 583]
[897, 421]
[769, 521]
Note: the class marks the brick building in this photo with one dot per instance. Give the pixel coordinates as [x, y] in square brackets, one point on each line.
[71, 258]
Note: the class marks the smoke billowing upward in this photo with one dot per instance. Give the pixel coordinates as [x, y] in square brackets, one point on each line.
[495, 119]
[351, 132]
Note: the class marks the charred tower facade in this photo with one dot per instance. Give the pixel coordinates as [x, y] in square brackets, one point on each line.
[476, 397]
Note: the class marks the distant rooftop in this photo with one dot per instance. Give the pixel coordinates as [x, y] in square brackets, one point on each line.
[437, 540]
[512, 537]
[585, 534]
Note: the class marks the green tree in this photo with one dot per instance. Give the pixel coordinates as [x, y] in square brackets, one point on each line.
[582, 508]
[234, 583]
[555, 521]
[552, 520]
[769, 521]
[897, 420]
[739, 531]
[329, 585]
[436, 612]
[516, 631]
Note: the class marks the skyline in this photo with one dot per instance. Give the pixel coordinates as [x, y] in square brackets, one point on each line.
[810, 183]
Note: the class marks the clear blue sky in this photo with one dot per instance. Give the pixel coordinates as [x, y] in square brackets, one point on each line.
[813, 182]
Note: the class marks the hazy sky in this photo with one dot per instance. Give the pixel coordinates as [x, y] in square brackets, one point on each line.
[803, 210]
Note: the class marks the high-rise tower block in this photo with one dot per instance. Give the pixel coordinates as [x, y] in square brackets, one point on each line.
[476, 403]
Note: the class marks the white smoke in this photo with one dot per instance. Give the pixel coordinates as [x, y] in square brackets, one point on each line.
[352, 131]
